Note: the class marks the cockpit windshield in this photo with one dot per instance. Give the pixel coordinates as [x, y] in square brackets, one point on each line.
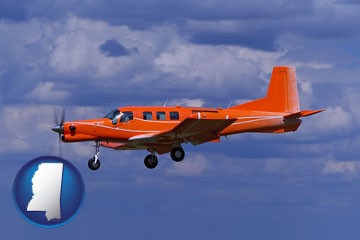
[113, 115]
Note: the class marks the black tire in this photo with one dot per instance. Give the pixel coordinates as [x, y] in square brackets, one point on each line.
[151, 161]
[92, 165]
[177, 154]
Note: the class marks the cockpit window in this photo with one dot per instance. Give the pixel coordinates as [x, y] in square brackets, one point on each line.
[126, 116]
[113, 116]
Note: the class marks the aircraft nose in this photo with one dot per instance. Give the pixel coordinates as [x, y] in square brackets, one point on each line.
[58, 129]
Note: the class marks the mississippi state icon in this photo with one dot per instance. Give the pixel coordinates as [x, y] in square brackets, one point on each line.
[48, 191]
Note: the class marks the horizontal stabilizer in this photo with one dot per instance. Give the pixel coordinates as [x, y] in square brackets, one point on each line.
[303, 113]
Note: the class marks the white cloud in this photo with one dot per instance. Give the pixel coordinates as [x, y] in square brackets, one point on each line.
[241, 101]
[68, 49]
[214, 67]
[334, 120]
[306, 87]
[27, 128]
[195, 102]
[76, 48]
[353, 99]
[193, 166]
[45, 93]
[312, 65]
[347, 168]
[305, 93]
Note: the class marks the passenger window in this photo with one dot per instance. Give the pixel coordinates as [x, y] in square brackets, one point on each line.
[174, 115]
[126, 116]
[160, 116]
[147, 115]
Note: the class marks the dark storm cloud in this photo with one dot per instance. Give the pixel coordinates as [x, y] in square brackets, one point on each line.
[112, 48]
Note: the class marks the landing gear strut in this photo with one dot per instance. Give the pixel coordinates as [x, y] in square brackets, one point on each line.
[151, 161]
[94, 162]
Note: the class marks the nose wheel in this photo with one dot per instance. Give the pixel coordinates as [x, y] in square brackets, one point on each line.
[94, 162]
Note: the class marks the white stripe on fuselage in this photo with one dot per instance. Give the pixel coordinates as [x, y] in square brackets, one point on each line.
[114, 128]
[255, 120]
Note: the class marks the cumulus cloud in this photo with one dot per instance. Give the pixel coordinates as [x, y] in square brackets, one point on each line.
[334, 120]
[45, 93]
[63, 59]
[192, 102]
[313, 65]
[347, 168]
[57, 62]
[27, 128]
[306, 87]
[352, 101]
[191, 52]
[218, 69]
[193, 166]
[67, 52]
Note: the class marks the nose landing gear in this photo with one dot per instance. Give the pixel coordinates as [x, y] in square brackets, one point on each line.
[94, 162]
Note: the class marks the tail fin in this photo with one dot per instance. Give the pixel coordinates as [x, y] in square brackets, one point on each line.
[282, 95]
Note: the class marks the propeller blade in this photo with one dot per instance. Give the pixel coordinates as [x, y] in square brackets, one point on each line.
[56, 121]
[59, 127]
[62, 117]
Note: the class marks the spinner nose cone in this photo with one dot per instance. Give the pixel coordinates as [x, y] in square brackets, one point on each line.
[58, 129]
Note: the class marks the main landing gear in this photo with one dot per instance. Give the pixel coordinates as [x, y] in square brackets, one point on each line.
[94, 162]
[151, 161]
[177, 154]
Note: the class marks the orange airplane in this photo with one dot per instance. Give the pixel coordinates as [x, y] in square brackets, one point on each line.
[163, 129]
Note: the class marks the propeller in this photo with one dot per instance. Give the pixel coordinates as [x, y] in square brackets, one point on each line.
[59, 127]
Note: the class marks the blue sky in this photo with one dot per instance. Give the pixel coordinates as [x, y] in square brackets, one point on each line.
[93, 56]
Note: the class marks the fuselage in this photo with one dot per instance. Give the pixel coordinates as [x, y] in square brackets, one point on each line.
[124, 123]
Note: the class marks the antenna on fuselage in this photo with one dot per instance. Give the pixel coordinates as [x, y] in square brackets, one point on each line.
[164, 105]
[229, 105]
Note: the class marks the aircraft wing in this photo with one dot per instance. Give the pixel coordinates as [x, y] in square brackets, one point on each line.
[203, 127]
[198, 128]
